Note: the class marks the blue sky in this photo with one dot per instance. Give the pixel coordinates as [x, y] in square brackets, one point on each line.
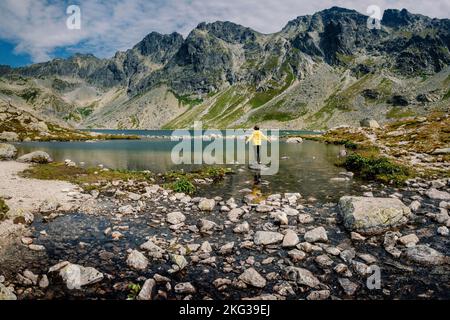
[35, 30]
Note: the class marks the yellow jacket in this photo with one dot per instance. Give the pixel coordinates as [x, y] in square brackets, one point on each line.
[256, 138]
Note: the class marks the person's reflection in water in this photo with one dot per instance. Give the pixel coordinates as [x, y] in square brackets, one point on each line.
[257, 178]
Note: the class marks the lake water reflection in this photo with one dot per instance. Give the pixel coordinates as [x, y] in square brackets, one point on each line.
[306, 168]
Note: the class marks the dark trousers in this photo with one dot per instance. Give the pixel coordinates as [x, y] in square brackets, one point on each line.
[258, 157]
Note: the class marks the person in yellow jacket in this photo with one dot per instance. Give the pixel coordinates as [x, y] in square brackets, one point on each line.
[256, 138]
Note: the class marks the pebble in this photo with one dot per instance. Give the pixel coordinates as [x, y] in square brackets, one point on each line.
[184, 287]
[443, 231]
[290, 239]
[252, 277]
[36, 247]
[316, 235]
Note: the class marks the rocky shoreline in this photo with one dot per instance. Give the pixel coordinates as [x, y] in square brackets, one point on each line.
[130, 239]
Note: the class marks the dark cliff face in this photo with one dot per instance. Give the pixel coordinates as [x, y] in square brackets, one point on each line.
[160, 48]
[229, 32]
[223, 52]
[398, 18]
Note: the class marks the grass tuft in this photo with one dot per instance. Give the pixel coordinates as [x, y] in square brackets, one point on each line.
[376, 168]
[3, 209]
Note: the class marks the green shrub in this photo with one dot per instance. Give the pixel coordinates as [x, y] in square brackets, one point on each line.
[216, 173]
[183, 185]
[134, 291]
[380, 169]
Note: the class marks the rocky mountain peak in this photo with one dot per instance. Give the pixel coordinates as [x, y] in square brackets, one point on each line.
[159, 44]
[398, 18]
[229, 31]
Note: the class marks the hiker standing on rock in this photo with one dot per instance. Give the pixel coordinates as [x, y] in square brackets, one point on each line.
[256, 138]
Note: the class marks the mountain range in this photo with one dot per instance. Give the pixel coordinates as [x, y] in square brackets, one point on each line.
[319, 71]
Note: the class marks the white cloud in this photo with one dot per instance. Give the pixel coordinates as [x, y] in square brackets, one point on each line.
[38, 27]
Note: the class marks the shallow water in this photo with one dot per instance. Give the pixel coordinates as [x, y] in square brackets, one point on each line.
[306, 168]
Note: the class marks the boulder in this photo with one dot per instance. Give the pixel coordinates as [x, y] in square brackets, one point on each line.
[296, 255]
[226, 248]
[442, 151]
[409, 240]
[348, 286]
[316, 235]
[40, 126]
[7, 151]
[206, 226]
[207, 204]
[290, 211]
[243, 227]
[9, 136]
[437, 195]
[146, 292]
[6, 293]
[235, 214]
[370, 216]
[267, 237]
[369, 123]
[153, 250]
[290, 238]
[253, 278]
[428, 97]
[263, 208]
[301, 276]
[318, 295]
[44, 283]
[370, 94]
[137, 260]
[425, 255]
[179, 261]
[294, 140]
[175, 217]
[185, 287]
[76, 276]
[443, 231]
[280, 216]
[36, 157]
[398, 100]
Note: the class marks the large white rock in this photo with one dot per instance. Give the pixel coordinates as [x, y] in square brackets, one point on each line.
[207, 204]
[267, 237]
[7, 151]
[6, 293]
[9, 136]
[137, 260]
[369, 123]
[437, 194]
[369, 215]
[36, 156]
[294, 140]
[76, 276]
